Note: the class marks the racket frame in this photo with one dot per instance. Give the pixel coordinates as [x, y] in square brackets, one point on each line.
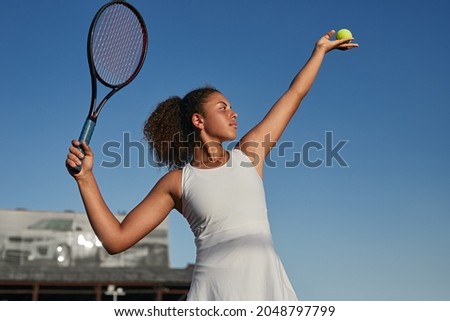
[95, 111]
[91, 120]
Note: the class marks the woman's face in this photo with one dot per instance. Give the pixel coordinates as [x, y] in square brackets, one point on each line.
[219, 121]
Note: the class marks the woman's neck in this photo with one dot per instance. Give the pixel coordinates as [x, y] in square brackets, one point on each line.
[210, 155]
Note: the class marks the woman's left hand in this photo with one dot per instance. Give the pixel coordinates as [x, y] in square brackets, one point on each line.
[327, 45]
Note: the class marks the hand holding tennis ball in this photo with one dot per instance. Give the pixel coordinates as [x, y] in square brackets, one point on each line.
[343, 41]
[344, 34]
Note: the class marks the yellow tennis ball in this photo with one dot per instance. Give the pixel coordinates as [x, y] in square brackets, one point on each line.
[343, 34]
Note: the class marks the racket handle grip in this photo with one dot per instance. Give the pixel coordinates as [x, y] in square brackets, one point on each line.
[86, 134]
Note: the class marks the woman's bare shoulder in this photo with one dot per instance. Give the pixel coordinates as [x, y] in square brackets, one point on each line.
[173, 175]
[171, 182]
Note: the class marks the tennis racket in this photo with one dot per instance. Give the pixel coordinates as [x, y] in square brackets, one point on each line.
[116, 50]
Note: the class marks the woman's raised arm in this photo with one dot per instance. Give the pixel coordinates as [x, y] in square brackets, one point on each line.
[261, 138]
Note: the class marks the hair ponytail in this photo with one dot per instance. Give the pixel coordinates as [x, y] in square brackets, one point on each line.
[169, 130]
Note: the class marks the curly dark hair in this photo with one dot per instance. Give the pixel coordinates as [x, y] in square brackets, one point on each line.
[169, 131]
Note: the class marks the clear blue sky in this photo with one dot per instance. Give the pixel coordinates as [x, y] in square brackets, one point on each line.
[375, 230]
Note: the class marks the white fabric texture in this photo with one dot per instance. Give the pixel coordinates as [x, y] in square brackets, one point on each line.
[236, 259]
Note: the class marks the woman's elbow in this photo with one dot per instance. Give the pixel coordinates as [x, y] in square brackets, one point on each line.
[113, 249]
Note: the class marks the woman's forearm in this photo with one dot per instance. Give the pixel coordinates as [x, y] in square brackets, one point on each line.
[303, 81]
[104, 223]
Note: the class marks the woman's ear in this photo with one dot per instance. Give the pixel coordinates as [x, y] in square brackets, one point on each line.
[197, 121]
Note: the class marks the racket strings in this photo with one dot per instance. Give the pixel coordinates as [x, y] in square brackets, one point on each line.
[117, 45]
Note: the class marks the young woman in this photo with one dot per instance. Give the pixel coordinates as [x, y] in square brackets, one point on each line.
[219, 192]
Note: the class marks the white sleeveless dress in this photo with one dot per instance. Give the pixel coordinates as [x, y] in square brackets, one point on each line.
[236, 259]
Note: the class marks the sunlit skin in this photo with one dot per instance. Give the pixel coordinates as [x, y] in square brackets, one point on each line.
[217, 125]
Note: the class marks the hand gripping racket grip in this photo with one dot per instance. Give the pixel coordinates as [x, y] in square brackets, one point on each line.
[86, 134]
